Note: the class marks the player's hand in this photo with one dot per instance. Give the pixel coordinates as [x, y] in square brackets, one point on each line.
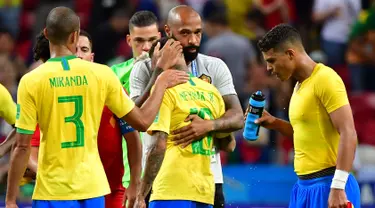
[266, 120]
[196, 130]
[171, 78]
[169, 54]
[140, 202]
[11, 205]
[130, 195]
[337, 199]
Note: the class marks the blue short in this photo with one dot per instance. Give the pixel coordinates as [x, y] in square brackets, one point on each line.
[177, 203]
[314, 193]
[97, 202]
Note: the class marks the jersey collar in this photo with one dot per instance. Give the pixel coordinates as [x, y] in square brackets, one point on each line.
[62, 57]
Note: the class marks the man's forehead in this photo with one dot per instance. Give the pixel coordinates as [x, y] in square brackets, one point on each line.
[83, 41]
[191, 23]
[150, 30]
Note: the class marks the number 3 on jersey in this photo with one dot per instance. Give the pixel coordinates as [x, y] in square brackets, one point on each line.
[197, 146]
[76, 119]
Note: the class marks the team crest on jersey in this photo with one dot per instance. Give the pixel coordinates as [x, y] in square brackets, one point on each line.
[205, 78]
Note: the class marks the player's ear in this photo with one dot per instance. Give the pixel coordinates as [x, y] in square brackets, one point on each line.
[45, 33]
[290, 53]
[167, 30]
[92, 57]
[128, 40]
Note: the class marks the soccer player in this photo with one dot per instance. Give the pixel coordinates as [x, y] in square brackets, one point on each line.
[66, 100]
[321, 123]
[185, 25]
[143, 32]
[173, 186]
[109, 136]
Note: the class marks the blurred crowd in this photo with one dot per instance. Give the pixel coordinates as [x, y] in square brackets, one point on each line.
[338, 33]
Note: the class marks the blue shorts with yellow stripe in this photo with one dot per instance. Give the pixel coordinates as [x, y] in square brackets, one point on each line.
[177, 203]
[97, 202]
[314, 193]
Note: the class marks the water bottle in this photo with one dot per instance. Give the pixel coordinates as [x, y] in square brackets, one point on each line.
[256, 107]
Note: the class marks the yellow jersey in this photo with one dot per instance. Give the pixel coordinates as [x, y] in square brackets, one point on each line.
[66, 96]
[316, 140]
[185, 173]
[8, 107]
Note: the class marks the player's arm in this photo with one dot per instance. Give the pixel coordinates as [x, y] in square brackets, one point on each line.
[227, 144]
[154, 160]
[25, 123]
[6, 146]
[134, 146]
[270, 122]
[232, 120]
[139, 100]
[18, 164]
[342, 119]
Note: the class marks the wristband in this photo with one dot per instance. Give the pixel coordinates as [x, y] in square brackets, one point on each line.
[339, 179]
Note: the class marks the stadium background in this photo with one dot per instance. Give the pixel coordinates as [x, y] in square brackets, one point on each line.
[258, 174]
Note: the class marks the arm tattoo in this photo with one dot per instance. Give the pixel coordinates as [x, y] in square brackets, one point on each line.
[232, 120]
[155, 157]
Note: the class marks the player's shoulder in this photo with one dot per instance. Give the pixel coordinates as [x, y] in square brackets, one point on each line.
[144, 64]
[123, 65]
[324, 73]
[209, 59]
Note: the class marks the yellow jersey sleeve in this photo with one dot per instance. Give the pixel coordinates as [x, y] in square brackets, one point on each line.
[331, 91]
[8, 107]
[26, 118]
[117, 100]
[162, 120]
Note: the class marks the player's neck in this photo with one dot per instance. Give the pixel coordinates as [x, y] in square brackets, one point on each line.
[59, 51]
[304, 70]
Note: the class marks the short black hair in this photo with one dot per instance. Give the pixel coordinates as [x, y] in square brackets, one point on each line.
[41, 48]
[142, 19]
[86, 34]
[162, 42]
[60, 23]
[279, 35]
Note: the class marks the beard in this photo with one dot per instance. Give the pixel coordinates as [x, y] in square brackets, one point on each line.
[189, 56]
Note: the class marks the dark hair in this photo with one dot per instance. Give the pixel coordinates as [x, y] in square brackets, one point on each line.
[142, 19]
[162, 42]
[60, 23]
[86, 34]
[279, 35]
[41, 48]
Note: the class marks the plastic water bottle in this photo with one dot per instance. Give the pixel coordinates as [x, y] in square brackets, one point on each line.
[256, 107]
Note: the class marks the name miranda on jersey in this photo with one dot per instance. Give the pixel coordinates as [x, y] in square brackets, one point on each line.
[71, 81]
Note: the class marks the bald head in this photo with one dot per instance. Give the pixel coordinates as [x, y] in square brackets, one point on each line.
[60, 24]
[181, 14]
